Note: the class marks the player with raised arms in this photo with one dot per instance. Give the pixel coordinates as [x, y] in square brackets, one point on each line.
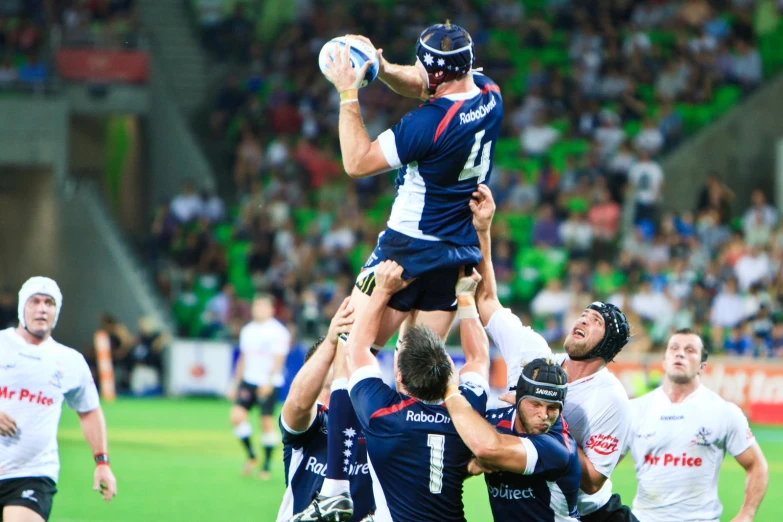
[304, 424]
[682, 431]
[417, 459]
[598, 410]
[39, 374]
[529, 460]
[442, 150]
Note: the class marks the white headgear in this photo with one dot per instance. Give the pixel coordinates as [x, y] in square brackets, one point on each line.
[40, 285]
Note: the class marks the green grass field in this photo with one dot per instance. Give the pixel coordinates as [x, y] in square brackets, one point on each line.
[178, 461]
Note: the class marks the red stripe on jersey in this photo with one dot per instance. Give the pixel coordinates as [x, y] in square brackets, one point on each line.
[393, 409]
[505, 424]
[490, 87]
[447, 119]
[565, 435]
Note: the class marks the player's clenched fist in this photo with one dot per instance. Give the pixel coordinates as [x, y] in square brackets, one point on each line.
[483, 207]
[388, 278]
[7, 425]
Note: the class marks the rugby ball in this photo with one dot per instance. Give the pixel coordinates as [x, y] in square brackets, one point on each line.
[361, 53]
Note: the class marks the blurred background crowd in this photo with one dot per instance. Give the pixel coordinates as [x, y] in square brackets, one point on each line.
[595, 93]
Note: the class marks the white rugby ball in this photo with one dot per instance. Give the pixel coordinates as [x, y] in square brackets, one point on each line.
[361, 53]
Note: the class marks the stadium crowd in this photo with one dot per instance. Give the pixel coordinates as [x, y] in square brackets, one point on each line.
[30, 28]
[595, 92]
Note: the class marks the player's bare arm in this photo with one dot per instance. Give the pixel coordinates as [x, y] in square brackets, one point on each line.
[277, 368]
[361, 157]
[757, 472]
[592, 480]
[388, 281]
[405, 80]
[483, 207]
[492, 449]
[474, 340]
[94, 429]
[299, 408]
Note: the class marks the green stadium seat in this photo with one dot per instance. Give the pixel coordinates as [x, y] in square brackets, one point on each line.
[223, 233]
[237, 253]
[304, 217]
[566, 147]
[632, 128]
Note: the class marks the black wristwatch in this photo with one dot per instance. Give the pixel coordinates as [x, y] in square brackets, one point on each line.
[102, 459]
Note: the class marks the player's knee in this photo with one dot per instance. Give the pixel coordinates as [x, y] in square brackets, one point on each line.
[20, 514]
[237, 415]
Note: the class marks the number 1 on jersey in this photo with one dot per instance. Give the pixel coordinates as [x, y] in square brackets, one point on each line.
[437, 444]
[472, 170]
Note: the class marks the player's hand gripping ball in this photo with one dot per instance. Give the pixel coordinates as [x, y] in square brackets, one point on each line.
[360, 54]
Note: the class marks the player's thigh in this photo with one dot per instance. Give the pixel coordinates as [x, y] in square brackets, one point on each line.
[390, 322]
[267, 411]
[21, 514]
[439, 321]
[237, 415]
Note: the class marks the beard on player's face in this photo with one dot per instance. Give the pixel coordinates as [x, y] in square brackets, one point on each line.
[537, 417]
[585, 334]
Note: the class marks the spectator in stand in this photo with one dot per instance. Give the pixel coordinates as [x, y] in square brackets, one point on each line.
[752, 268]
[728, 307]
[650, 138]
[187, 206]
[646, 182]
[576, 234]
[553, 300]
[539, 136]
[546, 229]
[760, 209]
[746, 67]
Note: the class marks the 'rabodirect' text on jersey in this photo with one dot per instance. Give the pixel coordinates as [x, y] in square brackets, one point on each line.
[417, 458]
[678, 449]
[549, 488]
[443, 150]
[304, 455]
[34, 382]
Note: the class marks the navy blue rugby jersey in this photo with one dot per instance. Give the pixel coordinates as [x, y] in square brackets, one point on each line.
[304, 455]
[417, 459]
[549, 488]
[443, 150]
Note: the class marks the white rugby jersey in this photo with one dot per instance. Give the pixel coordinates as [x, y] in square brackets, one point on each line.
[259, 344]
[34, 381]
[597, 407]
[517, 343]
[678, 449]
[598, 412]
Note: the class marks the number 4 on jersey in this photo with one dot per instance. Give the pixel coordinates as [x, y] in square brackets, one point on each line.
[479, 171]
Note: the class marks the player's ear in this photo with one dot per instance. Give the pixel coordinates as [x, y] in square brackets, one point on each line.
[702, 367]
[398, 377]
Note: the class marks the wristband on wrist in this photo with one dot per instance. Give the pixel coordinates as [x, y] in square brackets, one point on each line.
[349, 94]
[101, 459]
[455, 394]
[467, 312]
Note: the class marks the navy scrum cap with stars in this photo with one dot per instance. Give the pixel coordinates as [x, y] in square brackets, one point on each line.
[444, 66]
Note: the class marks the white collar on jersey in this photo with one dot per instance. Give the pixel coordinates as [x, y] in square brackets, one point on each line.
[463, 95]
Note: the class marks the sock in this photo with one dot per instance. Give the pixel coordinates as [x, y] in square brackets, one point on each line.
[243, 432]
[342, 425]
[268, 441]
